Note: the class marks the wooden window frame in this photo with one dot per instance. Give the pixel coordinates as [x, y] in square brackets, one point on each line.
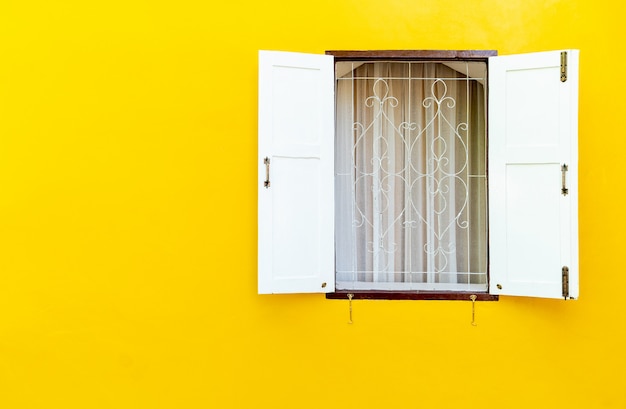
[415, 55]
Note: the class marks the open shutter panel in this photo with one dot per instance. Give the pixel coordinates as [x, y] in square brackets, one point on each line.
[533, 150]
[296, 173]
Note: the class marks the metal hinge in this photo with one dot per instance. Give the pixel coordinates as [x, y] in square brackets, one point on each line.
[565, 281]
[563, 66]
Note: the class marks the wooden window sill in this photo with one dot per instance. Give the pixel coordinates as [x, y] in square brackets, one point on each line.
[406, 295]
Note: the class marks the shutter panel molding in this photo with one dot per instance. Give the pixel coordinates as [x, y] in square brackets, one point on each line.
[533, 133]
[296, 211]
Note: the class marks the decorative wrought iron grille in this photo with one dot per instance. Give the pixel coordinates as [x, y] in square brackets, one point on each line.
[415, 170]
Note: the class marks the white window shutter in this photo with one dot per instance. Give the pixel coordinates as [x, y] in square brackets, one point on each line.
[533, 134]
[296, 210]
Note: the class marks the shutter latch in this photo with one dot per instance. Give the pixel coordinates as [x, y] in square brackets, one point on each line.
[565, 281]
[564, 189]
[563, 66]
[266, 162]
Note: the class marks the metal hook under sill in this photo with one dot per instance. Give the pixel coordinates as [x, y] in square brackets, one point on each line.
[473, 298]
[350, 306]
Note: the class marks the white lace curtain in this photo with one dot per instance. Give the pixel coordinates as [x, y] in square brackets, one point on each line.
[411, 184]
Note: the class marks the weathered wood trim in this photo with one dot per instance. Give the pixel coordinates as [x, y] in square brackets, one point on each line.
[405, 295]
[415, 55]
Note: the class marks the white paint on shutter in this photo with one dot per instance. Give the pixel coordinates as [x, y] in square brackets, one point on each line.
[533, 132]
[296, 212]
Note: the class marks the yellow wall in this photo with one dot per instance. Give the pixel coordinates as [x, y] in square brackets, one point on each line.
[128, 217]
